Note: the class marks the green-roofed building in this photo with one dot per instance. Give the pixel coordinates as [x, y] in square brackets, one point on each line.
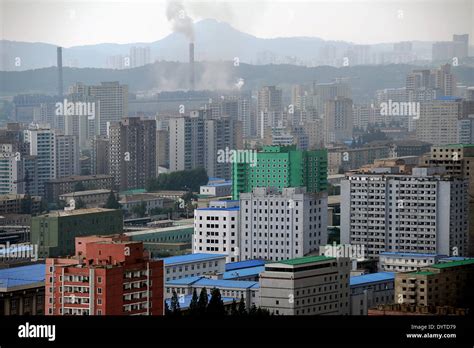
[281, 166]
[448, 283]
[310, 285]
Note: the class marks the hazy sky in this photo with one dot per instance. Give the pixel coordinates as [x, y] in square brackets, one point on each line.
[71, 23]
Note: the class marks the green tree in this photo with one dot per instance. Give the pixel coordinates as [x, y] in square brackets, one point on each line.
[253, 310]
[167, 309]
[216, 305]
[175, 308]
[241, 310]
[139, 210]
[112, 202]
[180, 180]
[233, 308]
[202, 302]
[193, 306]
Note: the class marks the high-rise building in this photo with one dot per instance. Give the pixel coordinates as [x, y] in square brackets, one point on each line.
[313, 285]
[139, 56]
[186, 142]
[112, 98]
[338, 120]
[43, 146]
[11, 171]
[438, 121]
[162, 149]
[277, 226]
[107, 276]
[67, 156]
[132, 152]
[100, 155]
[219, 136]
[421, 212]
[281, 166]
[269, 109]
[216, 229]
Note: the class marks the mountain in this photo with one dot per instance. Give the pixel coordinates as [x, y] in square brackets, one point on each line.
[365, 80]
[214, 41]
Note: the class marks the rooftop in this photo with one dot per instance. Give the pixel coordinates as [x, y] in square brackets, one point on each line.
[453, 264]
[22, 276]
[372, 278]
[243, 272]
[81, 178]
[85, 193]
[61, 213]
[214, 283]
[243, 264]
[191, 258]
[185, 301]
[409, 254]
[219, 209]
[306, 259]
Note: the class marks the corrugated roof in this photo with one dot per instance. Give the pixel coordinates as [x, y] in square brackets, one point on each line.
[213, 283]
[372, 278]
[243, 264]
[191, 258]
[452, 264]
[243, 272]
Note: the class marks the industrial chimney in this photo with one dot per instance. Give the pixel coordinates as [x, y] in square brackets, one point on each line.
[191, 66]
[60, 70]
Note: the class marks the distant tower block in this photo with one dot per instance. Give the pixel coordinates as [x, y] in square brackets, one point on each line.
[191, 66]
[60, 70]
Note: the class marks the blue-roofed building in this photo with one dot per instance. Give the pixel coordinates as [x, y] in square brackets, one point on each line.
[229, 288]
[231, 266]
[248, 274]
[216, 229]
[370, 290]
[406, 262]
[190, 265]
[22, 290]
[216, 187]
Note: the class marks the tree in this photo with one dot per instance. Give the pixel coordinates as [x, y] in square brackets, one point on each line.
[216, 305]
[139, 210]
[193, 306]
[175, 308]
[202, 302]
[253, 310]
[112, 202]
[80, 204]
[241, 310]
[167, 309]
[233, 308]
[179, 180]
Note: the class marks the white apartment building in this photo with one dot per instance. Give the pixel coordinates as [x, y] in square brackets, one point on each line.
[312, 285]
[278, 226]
[371, 290]
[406, 262]
[193, 265]
[43, 146]
[11, 171]
[422, 212]
[216, 229]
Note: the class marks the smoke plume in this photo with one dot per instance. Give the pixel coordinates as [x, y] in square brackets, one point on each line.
[179, 19]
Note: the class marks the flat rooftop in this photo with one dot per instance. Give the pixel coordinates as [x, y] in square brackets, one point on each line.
[401, 254]
[372, 278]
[61, 213]
[22, 276]
[213, 283]
[80, 178]
[304, 260]
[198, 257]
[243, 264]
[85, 193]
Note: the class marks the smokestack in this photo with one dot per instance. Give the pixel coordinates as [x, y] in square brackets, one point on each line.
[191, 66]
[60, 70]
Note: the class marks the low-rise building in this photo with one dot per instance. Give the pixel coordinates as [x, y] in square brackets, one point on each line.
[55, 231]
[442, 284]
[22, 290]
[371, 290]
[216, 229]
[312, 285]
[91, 198]
[20, 204]
[190, 265]
[228, 288]
[406, 262]
[217, 188]
[55, 188]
